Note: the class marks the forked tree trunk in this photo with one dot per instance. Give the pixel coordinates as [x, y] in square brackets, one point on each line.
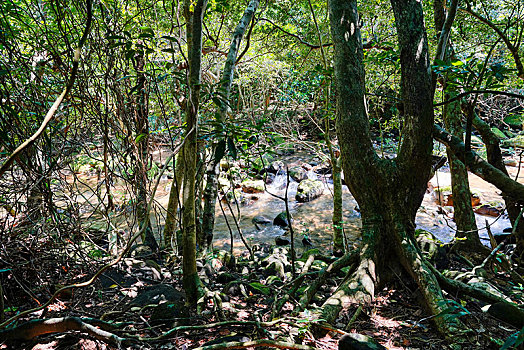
[389, 192]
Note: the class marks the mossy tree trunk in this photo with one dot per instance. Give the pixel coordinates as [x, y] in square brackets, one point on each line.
[193, 14]
[463, 211]
[389, 192]
[212, 171]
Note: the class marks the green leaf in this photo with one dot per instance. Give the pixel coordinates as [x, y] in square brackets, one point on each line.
[220, 150]
[116, 37]
[231, 147]
[260, 288]
[514, 340]
[147, 30]
[139, 138]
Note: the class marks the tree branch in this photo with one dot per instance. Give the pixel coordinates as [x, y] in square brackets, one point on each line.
[51, 113]
[479, 166]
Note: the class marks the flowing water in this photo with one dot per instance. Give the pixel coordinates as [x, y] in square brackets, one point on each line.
[314, 218]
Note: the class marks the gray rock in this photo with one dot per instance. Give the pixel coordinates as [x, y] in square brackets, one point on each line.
[298, 173]
[156, 294]
[253, 186]
[261, 220]
[276, 167]
[355, 341]
[281, 240]
[308, 190]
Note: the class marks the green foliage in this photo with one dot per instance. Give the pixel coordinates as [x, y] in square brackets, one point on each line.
[514, 340]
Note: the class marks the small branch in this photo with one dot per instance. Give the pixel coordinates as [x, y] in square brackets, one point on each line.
[512, 48]
[493, 92]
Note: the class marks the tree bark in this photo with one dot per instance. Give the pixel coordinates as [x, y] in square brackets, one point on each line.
[212, 171]
[142, 152]
[194, 19]
[388, 192]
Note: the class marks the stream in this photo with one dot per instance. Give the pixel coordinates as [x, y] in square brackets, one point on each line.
[313, 218]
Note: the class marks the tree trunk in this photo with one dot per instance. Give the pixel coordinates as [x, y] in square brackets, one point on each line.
[338, 224]
[512, 189]
[494, 155]
[463, 210]
[174, 201]
[142, 152]
[464, 216]
[194, 18]
[212, 171]
[389, 192]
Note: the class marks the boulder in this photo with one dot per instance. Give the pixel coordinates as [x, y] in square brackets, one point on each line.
[488, 209]
[298, 173]
[276, 167]
[156, 294]
[517, 141]
[260, 220]
[444, 197]
[166, 313]
[355, 341]
[253, 186]
[507, 312]
[308, 190]
[281, 241]
[281, 220]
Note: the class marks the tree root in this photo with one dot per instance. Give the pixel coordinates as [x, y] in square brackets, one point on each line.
[35, 328]
[346, 260]
[460, 288]
[257, 343]
[358, 289]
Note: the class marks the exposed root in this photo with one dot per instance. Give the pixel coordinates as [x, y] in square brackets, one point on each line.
[422, 273]
[346, 260]
[358, 289]
[460, 288]
[35, 328]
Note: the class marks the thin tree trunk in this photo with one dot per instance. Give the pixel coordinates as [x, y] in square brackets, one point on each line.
[212, 171]
[174, 201]
[452, 114]
[191, 281]
[142, 153]
[461, 193]
[494, 155]
[499, 178]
